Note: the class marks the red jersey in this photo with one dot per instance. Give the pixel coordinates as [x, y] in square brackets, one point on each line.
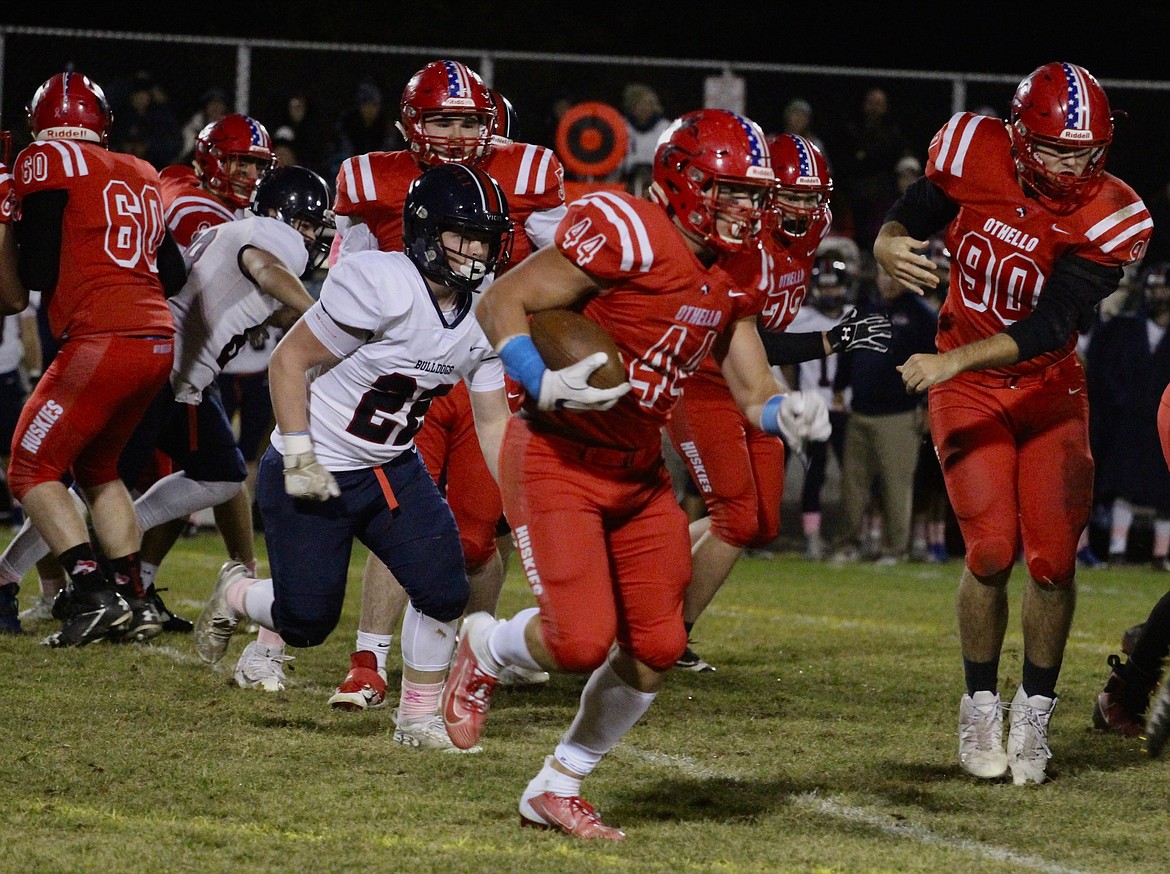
[664, 310]
[1003, 243]
[374, 187]
[110, 233]
[777, 276]
[190, 208]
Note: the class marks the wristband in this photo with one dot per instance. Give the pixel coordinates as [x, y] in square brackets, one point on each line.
[297, 443]
[770, 417]
[523, 363]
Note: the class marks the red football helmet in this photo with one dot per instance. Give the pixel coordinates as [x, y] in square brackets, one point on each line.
[706, 164]
[70, 106]
[506, 122]
[446, 88]
[1060, 106]
[230, 157]
[803, 185]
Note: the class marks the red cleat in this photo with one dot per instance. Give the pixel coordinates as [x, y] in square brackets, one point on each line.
[468, 692]
[364, 687]
[572, 815]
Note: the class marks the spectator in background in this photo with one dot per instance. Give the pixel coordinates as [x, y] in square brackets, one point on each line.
[874, 144]
[885, 423]
[285, 150]
[213, 106]
[906, 171]
[798, 120]
[1128, 368]
[1159, 206]
[299, 129]
[365, 127]
[645, 122]
[147, 127]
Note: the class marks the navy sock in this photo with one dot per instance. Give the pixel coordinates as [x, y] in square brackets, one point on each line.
[1038, 680]
[981, 676]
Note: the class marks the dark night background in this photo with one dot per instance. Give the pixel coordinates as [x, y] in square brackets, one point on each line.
[1008, 40]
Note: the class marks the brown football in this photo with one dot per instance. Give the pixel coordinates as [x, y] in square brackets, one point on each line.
[563, 337]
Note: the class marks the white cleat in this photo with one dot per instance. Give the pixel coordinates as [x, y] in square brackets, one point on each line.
[981, 736]
[260, 667]
[1027, 744]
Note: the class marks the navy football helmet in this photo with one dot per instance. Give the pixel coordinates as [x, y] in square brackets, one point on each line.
[300, 198]
[464, 200]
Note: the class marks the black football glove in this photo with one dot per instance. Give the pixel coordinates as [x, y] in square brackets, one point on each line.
[860, 332]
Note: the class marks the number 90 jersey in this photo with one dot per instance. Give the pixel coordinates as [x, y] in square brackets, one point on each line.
[366, 409]
[1004, 244]
[110, 233]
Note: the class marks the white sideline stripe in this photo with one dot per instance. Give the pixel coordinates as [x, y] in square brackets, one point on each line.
[884, 822]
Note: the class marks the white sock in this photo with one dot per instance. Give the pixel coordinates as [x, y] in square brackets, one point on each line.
[378, 644]
[507, 645]
[149, 572]
[427, 644]
[1119, 532]
[548, 780]
[258, 599]
[609, 709]
[177, 495]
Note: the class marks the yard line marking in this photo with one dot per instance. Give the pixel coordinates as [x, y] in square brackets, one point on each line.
[855, 814]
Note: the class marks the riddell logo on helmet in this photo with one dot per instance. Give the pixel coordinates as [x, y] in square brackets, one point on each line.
[1077, 135]
[808, 180]
[67, 133]
[459, 101]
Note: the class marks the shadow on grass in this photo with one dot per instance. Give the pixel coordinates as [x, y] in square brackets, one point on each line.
[700, 800]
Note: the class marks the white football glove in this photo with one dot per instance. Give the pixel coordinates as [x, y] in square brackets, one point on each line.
[569, 388]
[304, 477]
[804, 416]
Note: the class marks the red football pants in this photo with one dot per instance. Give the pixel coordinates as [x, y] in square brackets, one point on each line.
[603, 544]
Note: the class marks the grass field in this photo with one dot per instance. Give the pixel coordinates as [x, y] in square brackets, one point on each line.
[826, 741]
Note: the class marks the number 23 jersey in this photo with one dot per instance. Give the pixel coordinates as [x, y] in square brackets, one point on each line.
[1004, 244]
[366, 409]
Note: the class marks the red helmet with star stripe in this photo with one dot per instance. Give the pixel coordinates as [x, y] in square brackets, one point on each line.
[1061, 107]
[449, 90]
[713, 172]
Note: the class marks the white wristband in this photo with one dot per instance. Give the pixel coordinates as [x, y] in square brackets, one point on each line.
[297, 444]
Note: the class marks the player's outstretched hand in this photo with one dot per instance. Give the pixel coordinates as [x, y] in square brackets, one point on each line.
[804, 416]
[856, 331]
[569, 388]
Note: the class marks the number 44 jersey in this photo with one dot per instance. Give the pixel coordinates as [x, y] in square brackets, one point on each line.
[366, 409]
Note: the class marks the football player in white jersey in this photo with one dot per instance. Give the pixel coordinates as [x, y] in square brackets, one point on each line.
[391, 332]
[241, 274]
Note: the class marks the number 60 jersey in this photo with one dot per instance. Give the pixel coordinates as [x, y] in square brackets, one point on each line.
[108, 279]
[366, 409]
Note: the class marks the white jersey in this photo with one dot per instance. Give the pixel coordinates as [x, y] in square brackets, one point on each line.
[366, 409]
[818, 374]
[220, 302]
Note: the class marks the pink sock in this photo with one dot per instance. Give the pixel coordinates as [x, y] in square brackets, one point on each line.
[419, 701]
[269, 639]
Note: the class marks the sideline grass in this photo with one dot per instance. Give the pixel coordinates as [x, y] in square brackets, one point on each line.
[826, 741]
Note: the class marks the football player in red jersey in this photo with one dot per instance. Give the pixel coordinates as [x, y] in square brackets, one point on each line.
[602, 539]
[1039, 234]
[93, 241]
[230, 157]
[739, 469]
[448, 115]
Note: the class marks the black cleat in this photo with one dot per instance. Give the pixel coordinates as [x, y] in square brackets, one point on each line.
[10, 610]
[691, 661]
[170, 622]
[92, 616]
[145, 622]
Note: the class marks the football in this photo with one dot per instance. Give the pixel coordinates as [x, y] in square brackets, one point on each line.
[563, 337]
